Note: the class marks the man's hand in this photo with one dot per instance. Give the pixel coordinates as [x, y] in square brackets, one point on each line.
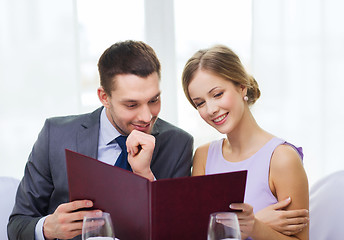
[288, 222]
[66, 222]
[140, 147]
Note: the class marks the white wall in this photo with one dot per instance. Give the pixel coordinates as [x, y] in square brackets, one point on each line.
[49, 51]
[38, 73]
[298, 59]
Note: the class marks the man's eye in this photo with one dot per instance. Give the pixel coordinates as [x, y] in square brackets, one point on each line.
[131, 105]
[154, 100]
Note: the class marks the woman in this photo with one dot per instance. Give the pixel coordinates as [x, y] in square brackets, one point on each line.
[217, 85]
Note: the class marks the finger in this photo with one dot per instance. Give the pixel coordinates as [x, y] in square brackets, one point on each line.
[288, 233]
[74, 226]
[294, 214]
[95, 223]
[79, 215]
[244, 207]
[293, 231]
[133, 150]
[133, 144]
[299, 213]
[281, 204]
[73, 229]
[297, 221]
[236, 206]
[295, 228]
[75, 205]
[137, 138]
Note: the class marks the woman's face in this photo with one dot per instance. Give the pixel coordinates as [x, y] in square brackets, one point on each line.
[219, 102]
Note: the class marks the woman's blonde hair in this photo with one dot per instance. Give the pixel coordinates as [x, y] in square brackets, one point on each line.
[223, 62]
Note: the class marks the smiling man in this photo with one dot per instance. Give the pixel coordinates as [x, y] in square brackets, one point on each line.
[130, 93]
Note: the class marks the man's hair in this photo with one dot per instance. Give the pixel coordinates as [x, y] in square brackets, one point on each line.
[128, 57]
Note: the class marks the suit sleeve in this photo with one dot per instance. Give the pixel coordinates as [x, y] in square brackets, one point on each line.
[34, 191]
[184, 163]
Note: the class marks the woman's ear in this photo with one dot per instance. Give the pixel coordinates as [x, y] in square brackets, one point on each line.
[103, 97]
[243, 90]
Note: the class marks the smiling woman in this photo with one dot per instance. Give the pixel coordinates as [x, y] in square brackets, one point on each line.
[217, 85]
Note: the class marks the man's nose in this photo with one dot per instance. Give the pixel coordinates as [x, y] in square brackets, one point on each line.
[145, 114]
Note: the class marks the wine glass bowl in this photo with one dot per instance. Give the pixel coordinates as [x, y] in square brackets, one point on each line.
[97, 227]
[223, 225]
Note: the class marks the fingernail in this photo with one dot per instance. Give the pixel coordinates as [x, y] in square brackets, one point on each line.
[88, 204]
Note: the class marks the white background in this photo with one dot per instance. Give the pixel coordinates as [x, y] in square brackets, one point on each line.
[295, 50]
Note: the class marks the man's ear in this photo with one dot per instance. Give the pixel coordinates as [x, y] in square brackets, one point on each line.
[103, 97]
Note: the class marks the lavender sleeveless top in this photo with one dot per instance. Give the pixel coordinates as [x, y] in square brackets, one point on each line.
[258, 193]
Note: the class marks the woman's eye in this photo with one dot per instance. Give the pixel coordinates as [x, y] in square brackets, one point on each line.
[218, 94]
[199, 104]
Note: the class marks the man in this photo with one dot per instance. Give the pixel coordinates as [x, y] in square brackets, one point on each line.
[130, 94]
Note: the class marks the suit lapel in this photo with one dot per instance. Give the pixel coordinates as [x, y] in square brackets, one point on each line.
[88, 135]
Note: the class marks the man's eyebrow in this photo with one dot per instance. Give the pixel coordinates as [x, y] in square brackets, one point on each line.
[156, 96]
[129, 101]
[135, 101]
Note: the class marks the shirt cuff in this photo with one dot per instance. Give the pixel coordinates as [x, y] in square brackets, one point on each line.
[39, 229]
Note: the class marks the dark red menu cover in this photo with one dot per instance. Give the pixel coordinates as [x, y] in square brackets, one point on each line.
[166, 209]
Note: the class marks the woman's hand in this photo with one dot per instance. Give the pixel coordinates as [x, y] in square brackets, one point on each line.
[288, 222]
[246, 218]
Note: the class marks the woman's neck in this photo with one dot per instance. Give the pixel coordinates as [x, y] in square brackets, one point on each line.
[246, 139]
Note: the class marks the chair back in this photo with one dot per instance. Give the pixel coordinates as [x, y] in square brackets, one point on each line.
[326, 208]
[8, 189]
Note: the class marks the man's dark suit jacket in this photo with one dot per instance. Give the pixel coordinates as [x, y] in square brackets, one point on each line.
[44, 185]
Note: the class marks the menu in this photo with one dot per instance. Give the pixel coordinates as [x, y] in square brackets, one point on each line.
[166, 209]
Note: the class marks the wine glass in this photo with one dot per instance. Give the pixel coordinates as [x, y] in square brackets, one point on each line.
[97, 227]
[223, 225]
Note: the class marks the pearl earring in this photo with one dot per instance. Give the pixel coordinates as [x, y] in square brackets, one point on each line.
[246, 98]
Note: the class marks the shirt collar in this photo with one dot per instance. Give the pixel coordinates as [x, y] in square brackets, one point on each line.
[107, 132]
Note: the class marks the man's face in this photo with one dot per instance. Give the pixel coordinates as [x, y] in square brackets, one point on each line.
[134, 104]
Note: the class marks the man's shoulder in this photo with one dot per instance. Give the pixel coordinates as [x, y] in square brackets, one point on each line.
[78, 119]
